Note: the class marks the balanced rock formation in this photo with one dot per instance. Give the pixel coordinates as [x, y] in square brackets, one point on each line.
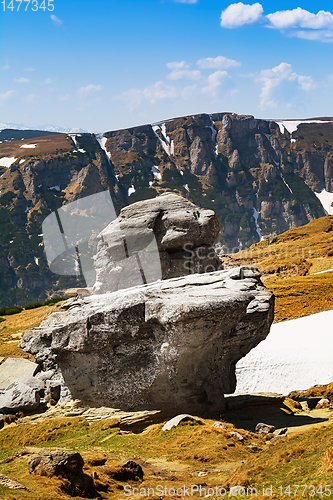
[161, 238]
[168, 345]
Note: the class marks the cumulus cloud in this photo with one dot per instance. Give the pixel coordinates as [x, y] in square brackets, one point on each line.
[30, 98]
[216, 80]
[5, 67]
[65, 97]
[177, 65]
[219, 62]
[184, 74]
[280, 83]
[238, 14]
[56, 20]
[48, 81]
[21, 80]
[29, 69]
[85, 91]
[296, 22]
[7, 95]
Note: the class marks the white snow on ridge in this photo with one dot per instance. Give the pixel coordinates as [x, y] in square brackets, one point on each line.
[165, 142]
[256, 216]
[102, 142]
[73, 137]
[131, 190]
[36, 259]
[291, 125]
[156, 172]
[7, 161]
[296, 355]
[286, 183]
[326, 199]
[28, 146]
[214, 135]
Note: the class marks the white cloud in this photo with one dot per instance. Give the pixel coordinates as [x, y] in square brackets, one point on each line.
[215, 80]
[297, 22]
[65, 97]
[21, 80]
[219, 62]
[238, 14]
[85, 91]
[29, 69]
[56, 20]
[280, 84]
[184, 74]
[154, 93]
[5, 67]
[48, 81]
[300, 18]
[177, 65]
[7, 95]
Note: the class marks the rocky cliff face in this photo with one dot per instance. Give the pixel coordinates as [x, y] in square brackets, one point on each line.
[257, 177]
[171, 345]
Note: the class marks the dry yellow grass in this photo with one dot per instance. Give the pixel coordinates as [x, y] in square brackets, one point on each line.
[45, 145]
[14, 326]
[288, 263]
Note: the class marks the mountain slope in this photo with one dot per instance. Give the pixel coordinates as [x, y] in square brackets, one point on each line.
[259, 178]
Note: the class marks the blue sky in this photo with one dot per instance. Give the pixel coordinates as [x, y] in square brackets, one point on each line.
[111, 64]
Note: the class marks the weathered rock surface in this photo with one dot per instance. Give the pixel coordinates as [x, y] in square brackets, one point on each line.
[165, 237]
[19, 397]
[16, 370]
[168, 345]
[68, 465]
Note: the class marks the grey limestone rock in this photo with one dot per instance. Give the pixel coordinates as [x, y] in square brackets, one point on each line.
[164, 237]
[264, 428]
[171, 345]
[16, 370]
[19, 397]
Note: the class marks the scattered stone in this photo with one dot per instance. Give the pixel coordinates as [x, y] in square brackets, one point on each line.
[68, 465]
[323, 403]
[11, 484]
[254, 447]
[19, 397]
[178, 419]
[283, 431]
[219, 425]
[131, 471]
[16, 370]
[237, 436]
[329, 395]
[157, 346]
[73, 292]
[264, 428]
[277, 438]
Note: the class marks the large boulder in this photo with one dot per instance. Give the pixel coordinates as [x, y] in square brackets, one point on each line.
[160, 238]
[169, 345]
[19, 397]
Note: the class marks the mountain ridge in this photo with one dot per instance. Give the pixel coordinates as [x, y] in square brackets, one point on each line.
[259, 181]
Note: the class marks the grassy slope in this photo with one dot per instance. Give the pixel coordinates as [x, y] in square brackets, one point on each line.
[288, 263]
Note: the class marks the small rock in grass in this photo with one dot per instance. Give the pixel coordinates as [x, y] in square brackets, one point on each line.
[264, 428]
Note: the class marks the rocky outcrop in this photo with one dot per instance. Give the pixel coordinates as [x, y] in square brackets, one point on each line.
[163, 238]
[169, 345]
[259, 179]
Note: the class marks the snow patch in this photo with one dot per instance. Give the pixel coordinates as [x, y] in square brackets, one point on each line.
[292, 357]
[256, 217]
[186, 187]
[73, 137]
[7, 161]
[165, 141]
[286, 183]
[131, 190]
[28, 146]
[102, 142]
[56, 188]
[172, 148]
[11, 241]
[151, 183]
[326, 199]
[214, 135]
[292, 140]
[22, 161]
[181, 172]
[291, 125]
[156, 172]
[36, 259]
[27, 210]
